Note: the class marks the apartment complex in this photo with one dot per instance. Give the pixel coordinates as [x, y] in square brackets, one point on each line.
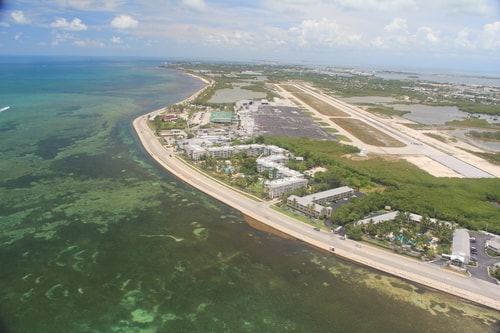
[312, 204]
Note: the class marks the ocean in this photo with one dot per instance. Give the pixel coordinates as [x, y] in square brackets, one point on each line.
[96, 237]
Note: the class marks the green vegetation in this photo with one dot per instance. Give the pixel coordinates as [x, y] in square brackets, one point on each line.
[366, 133]
[346, 85]
[261, 87]
[319, 105]
[332, 130]
[399, 184]
[386, 110]
[489, 136]
[160, 125]
[472, 122]
[477, 108]
[388, 182]
[493, 158]
[423, 238]
[436, 136]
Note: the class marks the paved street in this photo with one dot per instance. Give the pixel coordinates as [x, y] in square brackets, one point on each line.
[430, 275]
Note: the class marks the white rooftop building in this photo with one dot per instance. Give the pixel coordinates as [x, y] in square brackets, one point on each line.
[460, 249]
[278, 187]
[311, 204]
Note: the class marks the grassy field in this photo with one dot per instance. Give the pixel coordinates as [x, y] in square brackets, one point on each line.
[473, 123]
[367, 133]
[318, 105]
[436, 136]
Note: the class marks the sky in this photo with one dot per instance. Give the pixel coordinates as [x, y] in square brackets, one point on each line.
[448, 34]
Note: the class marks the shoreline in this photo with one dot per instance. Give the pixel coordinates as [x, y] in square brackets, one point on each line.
[261, 212]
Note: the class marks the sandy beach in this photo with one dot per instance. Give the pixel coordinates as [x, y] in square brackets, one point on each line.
[478, 291]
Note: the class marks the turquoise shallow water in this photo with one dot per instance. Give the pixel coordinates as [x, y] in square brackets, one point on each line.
[95, 237]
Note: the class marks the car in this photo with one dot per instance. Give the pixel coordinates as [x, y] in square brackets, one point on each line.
[317, 229]
[357, 245]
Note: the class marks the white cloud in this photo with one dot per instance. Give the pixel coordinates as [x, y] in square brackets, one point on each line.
[198, 5]
[18, 36]
[60, 37]
[463, 41]
[95, 5]
[397, 24]
[124, 22]
[88, 43]
[116, 40]
[322, 33]
[19, 17]
[491, 35]
[75, 25]
[428, 35]
[231, 38]
[378, 42]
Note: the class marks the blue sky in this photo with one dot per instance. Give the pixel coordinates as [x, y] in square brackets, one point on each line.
[456, 34]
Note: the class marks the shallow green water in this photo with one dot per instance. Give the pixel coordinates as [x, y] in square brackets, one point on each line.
[95, 237]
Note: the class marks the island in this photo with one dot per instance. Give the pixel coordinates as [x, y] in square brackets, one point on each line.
[433, 155]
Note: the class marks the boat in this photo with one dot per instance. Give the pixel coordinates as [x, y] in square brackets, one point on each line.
[5, 108]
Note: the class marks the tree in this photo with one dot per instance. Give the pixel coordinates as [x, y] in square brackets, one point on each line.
[355, 233]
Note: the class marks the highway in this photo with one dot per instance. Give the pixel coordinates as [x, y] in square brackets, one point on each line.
[475, 290]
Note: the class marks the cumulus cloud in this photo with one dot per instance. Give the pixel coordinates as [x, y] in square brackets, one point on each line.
[322, 32]
[124, 22]
[198, 5]
[230, 38]
[116, 40]
[463, 41]
[491, 35]
[378, 42]
[74, 25]
[397, 24]
[428, 35]
[19, 17]
[60, 37]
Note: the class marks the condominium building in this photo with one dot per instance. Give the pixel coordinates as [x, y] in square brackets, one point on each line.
[278, 187]
[311, 205]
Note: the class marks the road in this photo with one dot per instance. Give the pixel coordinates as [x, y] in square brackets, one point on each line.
[432, 276]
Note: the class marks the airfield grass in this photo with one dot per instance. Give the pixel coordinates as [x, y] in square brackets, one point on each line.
[367, 133]
[318, 105]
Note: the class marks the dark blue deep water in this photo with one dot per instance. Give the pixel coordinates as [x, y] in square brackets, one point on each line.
[95, 237]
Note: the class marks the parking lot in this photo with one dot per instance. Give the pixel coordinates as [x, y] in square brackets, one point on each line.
[483, 260]
[287, 121]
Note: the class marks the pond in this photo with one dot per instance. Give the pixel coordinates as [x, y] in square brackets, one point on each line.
[436, 115]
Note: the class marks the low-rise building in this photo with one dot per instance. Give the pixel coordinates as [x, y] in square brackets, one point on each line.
[460, 248]
[311, 205]
[493, 245]
[195, 152]
[221, 152]
[277, 187]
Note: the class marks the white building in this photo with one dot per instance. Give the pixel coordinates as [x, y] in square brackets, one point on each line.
[311, 204]
[277, 187]
[195, 152]
[460, 249]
